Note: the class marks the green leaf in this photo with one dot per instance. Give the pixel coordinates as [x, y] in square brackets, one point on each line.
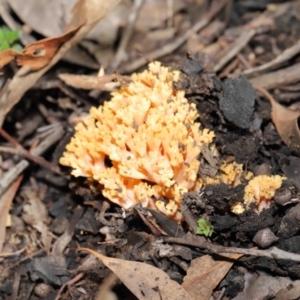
[204, 227]
[7, 37]
[4, 45]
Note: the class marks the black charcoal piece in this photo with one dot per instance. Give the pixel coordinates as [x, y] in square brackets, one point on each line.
[191, 67]
[237, 104]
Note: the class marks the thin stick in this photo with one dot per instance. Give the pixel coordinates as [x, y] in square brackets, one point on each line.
[283, 57]
[69, 283]
[273, 253]
[236, 47]
[278, 78]
[121, 52]
[8, 254]
[11, 175]
[23, 152]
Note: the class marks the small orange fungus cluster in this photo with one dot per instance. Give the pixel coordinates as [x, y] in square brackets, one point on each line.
[143, 146]
[258, 193]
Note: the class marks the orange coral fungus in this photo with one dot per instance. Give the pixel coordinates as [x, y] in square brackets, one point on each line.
[258, 193]
[261, 190]
[142, 146]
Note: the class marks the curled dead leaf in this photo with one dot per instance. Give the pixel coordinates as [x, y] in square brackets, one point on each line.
[36, 55]
[39, 54]
[286, 122]
[143, 280]
[104, 83]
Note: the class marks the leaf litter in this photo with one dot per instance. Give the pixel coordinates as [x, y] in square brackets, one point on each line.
[205, 273]
[130, 242]
[144, 281]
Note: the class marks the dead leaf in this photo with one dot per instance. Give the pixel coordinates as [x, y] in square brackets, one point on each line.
[105, 290]
[5, 204]
[286, 122]
[143, 280]
[205, 273]
[104, 83]
[39, 54]
[35, 214]
[57, 13]
[289, 293]
[93, 11]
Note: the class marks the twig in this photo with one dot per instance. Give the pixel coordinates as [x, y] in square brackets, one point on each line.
[13, 173]
[235, 48]
[273, 253]
[266, 94]
[189, 217]
[260, 24]
[168, 48]
[6, 254]
[170, 12]
[230, 67]
[23, 152]
[275, 79]
[283, 57]
[28, 256]
[68, 283]
[101, 217]
[221, 294]
[121, 52]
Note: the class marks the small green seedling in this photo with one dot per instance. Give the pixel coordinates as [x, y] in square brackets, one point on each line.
[8, 39]
[204, 227]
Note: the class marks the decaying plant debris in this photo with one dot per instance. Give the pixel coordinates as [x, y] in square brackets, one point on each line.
[235, 66]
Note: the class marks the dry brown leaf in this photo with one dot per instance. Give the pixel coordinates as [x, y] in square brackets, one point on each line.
[5, 203]
[290, 292]
[143, 280]
[93, 11]
[104, 83]
[105, 290]
[205, 273]
[286, 122]
[57, 13]
[39, 54]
